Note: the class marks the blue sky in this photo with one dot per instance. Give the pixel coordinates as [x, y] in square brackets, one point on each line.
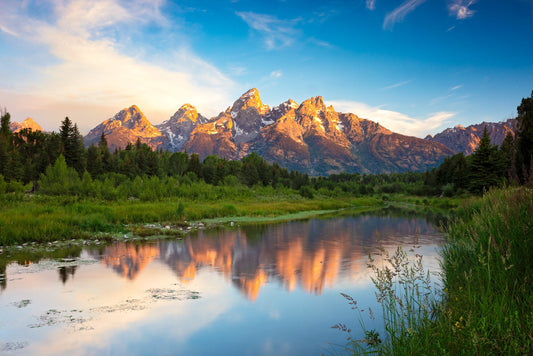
[414, 66]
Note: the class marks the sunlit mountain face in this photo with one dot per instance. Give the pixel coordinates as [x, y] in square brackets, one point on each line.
[310, 137]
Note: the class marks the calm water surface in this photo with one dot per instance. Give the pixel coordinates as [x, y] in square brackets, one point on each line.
[261, 290]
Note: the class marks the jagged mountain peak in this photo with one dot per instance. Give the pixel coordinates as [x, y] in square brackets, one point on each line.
[186, 111]
[132, 110]
[28, 123]
[128, 125]
[287, 105]
[250, 99]
[309, 136]
[313, 104]
[129, 117]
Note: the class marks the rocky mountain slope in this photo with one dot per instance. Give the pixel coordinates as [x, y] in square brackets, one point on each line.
[466, 139]
[26, 124]
[309, 137]
[126, 127]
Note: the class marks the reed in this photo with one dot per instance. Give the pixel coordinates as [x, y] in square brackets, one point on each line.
[485, 305]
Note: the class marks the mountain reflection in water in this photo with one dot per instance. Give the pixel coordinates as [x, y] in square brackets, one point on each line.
[310, 254]
[262, 289]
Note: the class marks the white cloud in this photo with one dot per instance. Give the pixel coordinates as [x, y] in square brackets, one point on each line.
[460, 9]
[92, 67]
[400, 12]
[371, 4]
[320, 43]
[456, 87]
[396, 85]
[276, 74]
[393, 120]
[276, 33]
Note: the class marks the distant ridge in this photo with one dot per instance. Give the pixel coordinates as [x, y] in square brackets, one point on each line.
[466, 139]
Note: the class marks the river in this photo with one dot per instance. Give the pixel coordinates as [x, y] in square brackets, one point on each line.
[250, 290]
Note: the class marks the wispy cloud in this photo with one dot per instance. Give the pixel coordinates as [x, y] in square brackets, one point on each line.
[460, 8]
[91, 66]
[371, 4]
[398, 14]
[276, 74]
[396, 85]
[456, 87]
[8, 31]
[276, 33]
[320, 43]
[396, 121]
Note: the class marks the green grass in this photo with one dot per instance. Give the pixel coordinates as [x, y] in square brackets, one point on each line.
[486, 305]
[41, 218]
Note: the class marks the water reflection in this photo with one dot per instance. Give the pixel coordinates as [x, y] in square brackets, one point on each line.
[309, 255]
[265, 289]
[65, 272]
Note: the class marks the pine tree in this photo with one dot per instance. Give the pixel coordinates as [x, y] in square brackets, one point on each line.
[485, 165]
[104, 153]
[5, 142]
[5, 131]
[508, 152]
[94, 163]
[72, 145]
[524, 138]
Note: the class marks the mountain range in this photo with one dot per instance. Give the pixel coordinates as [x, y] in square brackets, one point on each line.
[466, 139]
[310, 137]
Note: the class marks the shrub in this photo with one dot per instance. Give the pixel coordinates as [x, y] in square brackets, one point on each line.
[307, 192]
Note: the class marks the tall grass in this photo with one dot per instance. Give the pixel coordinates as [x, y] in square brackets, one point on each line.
[486, 305]
[489, 275]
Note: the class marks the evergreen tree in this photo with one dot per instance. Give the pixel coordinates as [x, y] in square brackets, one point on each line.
[5, 120]
[94, 163]
[195, 166]
[507, 149]
[104, 153]
[72, 145]
[4, 155]
[5, 141]
[524, 138]
[78, 151]
[485, 165]
[178, 163]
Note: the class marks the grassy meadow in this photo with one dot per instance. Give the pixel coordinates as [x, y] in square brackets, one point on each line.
[44, 218]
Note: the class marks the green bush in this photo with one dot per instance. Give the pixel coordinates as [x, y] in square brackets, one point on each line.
[306, 192]
[60, 179]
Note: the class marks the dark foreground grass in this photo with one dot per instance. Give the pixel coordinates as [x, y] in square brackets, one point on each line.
[486, 306]
[488, 274]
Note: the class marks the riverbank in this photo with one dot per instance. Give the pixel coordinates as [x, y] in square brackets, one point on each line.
[486, 306]
[27, 218]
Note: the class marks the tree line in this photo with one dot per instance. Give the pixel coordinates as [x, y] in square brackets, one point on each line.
[41, 158]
